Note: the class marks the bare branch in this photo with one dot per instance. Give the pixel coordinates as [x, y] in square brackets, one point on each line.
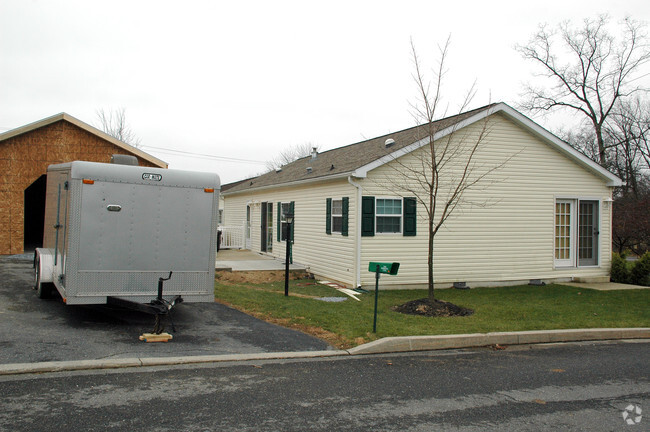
[114, 123]
[599, 73]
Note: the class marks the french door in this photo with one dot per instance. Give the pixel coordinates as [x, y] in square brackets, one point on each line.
[577, 228]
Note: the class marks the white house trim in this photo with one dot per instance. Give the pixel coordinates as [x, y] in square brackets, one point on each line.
[524, 121]
[290, 184]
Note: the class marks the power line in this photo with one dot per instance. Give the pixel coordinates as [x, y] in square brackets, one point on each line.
[204, 155]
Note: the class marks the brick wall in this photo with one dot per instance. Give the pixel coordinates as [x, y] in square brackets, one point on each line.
[24, 158]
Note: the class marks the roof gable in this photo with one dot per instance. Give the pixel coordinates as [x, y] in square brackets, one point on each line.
[358, 159]
[93, 130]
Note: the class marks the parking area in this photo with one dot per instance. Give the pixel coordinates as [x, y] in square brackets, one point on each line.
[35, 330]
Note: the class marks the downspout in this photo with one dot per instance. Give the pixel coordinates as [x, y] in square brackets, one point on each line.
[357, 239]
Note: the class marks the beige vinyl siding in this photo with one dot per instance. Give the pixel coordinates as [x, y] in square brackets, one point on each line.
[330, 257]
[234, 211]
[505, 229]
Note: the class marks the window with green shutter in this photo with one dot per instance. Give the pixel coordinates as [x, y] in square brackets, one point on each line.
[328, 216]
[345, 208]
[337, 216]
[279, 221]
[367, 216]
[410, 217]
[282, 221]
[389, 215]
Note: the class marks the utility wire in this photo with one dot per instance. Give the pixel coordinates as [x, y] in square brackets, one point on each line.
[204, 155]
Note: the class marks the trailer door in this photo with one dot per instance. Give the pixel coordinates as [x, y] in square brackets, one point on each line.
[142, 227]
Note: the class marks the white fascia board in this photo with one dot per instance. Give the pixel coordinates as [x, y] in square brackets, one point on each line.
[563, 147]
[362, 172]
[290, 184]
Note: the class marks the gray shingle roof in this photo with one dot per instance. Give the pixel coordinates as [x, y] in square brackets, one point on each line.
[344, 160]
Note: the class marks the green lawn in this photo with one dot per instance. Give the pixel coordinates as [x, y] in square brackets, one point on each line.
[349, 323]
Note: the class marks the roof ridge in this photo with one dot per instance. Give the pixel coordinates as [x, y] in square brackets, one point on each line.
[338, 161]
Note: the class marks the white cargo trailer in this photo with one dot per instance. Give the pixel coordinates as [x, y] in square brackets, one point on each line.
[113, 231]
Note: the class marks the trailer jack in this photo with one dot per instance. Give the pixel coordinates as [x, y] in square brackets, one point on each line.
[159, 307]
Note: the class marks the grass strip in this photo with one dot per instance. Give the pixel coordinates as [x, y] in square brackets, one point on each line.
[517, 308]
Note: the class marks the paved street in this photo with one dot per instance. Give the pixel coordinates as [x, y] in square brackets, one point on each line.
[582, 386]
[35, 330]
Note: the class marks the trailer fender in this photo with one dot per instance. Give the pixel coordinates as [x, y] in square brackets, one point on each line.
[43, 271]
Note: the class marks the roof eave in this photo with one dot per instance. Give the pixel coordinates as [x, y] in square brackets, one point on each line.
[611, 179]
[291, 184]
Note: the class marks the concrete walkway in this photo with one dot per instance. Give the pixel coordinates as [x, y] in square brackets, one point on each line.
[245, 260]
[604, 286]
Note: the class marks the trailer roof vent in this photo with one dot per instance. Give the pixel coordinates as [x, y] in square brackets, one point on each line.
[121, 159]
[278, 170]
[308, 170]
[389, 142]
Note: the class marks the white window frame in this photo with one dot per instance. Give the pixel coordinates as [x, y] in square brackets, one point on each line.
[570, 261]
[283, 220]
[337, 215]
[400, 215]
[573, 261]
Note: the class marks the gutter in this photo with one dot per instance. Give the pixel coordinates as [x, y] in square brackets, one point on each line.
[357, 239]
[288, 184]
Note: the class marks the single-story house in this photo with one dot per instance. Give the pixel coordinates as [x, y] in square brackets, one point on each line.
[25, 154]
[541, 212]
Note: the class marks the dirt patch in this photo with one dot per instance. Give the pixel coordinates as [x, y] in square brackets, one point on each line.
[435, 308]
[256, 277]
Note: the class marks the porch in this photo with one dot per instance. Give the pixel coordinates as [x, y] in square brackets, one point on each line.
[245, 260]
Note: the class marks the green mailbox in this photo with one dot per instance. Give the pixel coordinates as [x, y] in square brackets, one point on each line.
[384, 268]
[379, 268]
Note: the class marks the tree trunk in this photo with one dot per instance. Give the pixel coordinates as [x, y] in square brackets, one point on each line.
[430, 261]
[602, 155]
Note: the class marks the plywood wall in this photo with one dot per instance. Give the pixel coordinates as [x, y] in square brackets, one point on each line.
[24, 158]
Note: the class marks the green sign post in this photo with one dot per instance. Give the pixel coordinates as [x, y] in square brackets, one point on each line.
[380, 268]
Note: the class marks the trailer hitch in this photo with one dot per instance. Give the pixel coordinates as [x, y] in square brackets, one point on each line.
[158, 306]
[163, 306]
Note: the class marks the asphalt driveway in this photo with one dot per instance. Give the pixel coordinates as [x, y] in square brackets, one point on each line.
[35, 330]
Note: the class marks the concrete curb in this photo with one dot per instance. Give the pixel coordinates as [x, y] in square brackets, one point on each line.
[76, 365]
[429, 343]
[381, 346]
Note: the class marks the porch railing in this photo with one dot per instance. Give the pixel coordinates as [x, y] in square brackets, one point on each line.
[232, 237]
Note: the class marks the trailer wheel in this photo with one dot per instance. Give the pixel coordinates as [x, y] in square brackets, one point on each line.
[43, 289]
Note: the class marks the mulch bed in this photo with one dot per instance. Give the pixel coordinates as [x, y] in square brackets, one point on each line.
[437, 308]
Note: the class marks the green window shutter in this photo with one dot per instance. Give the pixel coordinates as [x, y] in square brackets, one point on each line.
[328, 215]
[345, 204]
[367, 216]
[410, 217]
[279, 227]
[293, 224]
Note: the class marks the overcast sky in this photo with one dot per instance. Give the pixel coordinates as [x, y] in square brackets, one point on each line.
[244, 80]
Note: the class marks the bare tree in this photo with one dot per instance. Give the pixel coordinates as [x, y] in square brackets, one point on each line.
[444, 169]
[114, 124]
[589, 73]
[290, 154]
[628, 130]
